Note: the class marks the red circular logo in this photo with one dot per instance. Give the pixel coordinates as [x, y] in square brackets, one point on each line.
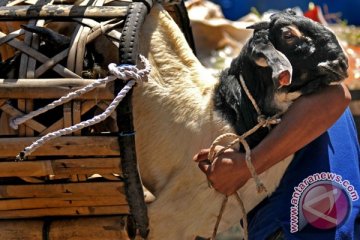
[325, 205]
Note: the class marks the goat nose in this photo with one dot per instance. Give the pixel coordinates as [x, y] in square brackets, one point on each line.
[342, 67]
[343, 64]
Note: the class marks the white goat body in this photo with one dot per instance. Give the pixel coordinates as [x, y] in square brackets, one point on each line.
[174, 118]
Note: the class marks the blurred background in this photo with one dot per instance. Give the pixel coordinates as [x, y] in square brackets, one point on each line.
[234, 9]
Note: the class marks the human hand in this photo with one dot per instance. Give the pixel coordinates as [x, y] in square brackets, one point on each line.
[227, 173]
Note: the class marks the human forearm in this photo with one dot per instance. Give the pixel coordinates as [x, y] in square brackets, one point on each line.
[306, 119]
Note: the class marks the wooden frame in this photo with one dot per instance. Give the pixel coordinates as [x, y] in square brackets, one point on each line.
[77, 175]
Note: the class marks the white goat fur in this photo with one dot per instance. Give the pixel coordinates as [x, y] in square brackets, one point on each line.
[174, 119]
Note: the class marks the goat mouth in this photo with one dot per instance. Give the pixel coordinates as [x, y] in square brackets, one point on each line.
[340, 73]
[337, 83]
[284, 78]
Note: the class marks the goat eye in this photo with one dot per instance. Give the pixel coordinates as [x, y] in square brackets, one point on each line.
[287, 35]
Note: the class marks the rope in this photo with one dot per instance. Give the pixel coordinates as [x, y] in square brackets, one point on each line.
[123, 72]
[235, 139]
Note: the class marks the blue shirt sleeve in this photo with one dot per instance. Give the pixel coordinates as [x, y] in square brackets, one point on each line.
[318, 197]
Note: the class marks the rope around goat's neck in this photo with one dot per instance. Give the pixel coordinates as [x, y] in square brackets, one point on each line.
[123, 72]
[262, 122]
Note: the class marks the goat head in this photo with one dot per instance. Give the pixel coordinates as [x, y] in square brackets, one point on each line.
[312, 49]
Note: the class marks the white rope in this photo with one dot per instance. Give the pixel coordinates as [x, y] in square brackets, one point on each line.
[124, 72]
[262, 122]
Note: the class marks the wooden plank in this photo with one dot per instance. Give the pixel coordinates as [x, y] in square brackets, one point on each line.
[63, 146]
[32, 179]
[67, 115]
[29, 106]
[85, 106]
[88, 189]
[12, 111]
[69, 211]
[61, 166]
[104, 105]
[55, 126]
[76, 115]
[60, 11]
[21, 229]
[61, 70]
[2, 101]
[73, 228]
[36, 203]
[51, 62]
[51, 88]
[21, 104]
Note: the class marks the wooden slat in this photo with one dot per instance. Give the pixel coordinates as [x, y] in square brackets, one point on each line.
[63, 146]
[61, 166]
[21, 104]
[67, 115]
[60, 11]
[2, 101]
[21, 229]
[88, 189]
[84, 228]
[55, 126]
[51, 62]
[36, 203]
[86, 106]
[76, 115]
[15, 113]
[70, 211]
[50, 88]
[104, 105]
[63, 71]
[29, 107]
[32, 180]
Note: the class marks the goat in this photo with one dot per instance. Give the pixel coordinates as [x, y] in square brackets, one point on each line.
[316, 58]
[182, 108]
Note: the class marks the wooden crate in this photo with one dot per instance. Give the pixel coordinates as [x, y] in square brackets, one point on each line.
[71, 187]
[78, 175]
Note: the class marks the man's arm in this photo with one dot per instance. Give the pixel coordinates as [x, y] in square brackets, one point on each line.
[306, 119]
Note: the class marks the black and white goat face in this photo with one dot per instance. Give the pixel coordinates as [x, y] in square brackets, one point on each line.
[287, 57]
[312, 49]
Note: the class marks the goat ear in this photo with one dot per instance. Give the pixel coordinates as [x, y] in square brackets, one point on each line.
[264, 54]
[259, 26]
[290, 11]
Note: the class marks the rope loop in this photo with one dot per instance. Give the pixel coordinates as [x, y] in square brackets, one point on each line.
[123, 72]
[263, 121]
[128, 73]
[268, 121]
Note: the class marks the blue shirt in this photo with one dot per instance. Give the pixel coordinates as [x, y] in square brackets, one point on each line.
[319, 195]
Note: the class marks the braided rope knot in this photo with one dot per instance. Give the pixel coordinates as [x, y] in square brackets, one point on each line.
[268, 121]
[123, 72]
[128, 73]
[263, 121]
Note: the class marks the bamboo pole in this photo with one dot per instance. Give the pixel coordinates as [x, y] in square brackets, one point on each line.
[50, 88]
[22, 12]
